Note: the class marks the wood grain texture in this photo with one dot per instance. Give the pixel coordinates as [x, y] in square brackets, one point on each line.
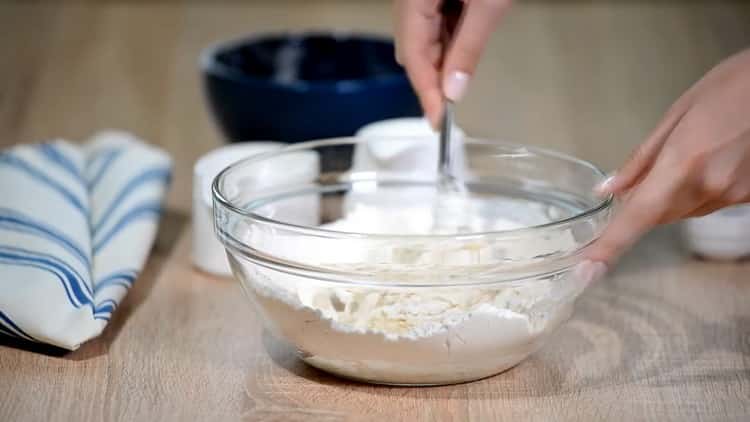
[665, 337]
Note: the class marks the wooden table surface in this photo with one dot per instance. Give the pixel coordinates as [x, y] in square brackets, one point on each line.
[664, 337]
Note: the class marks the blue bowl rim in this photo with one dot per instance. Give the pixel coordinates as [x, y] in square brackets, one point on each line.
[211, 66]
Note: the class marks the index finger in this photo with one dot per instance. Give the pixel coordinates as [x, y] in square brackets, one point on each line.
[419, 49]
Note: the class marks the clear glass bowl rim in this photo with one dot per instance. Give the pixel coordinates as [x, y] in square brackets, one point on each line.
[492, 277]
[603, 205]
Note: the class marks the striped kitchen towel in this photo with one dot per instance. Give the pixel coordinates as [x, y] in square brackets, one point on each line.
[76, 226]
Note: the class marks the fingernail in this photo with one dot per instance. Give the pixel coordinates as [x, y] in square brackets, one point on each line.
[605, 187]
[591, 271]
[434, 122]
[455, 84]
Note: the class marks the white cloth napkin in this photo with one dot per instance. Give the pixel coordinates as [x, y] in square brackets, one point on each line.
[76, 226]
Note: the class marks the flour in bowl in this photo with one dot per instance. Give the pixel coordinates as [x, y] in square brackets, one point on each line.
[429, 334]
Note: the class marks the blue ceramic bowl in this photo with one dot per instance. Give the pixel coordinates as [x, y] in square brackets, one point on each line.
[298, 87]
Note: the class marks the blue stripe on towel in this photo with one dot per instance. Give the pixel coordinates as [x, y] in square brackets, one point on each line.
[57, 157]
[107, 307]
[79, 293]
[140, 211]
[106, 158]
[16, 221]
[20, 164]
[160, 174]
[123, 278]
[8, 326]
[14, 261]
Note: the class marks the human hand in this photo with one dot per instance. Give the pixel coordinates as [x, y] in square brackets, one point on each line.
[438, 64]
[696, 161]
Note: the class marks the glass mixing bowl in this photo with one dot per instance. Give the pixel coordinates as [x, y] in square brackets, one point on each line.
[375, 274]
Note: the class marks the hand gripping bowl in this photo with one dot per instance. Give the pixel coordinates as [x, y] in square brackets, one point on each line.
[342, 259]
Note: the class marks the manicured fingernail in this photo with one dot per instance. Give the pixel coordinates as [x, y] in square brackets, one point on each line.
[591, 271]
[455, 84]
[605, 187]
[434, 122]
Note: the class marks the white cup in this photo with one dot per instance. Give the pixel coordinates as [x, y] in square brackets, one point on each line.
[208, 254]
[723, 235]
